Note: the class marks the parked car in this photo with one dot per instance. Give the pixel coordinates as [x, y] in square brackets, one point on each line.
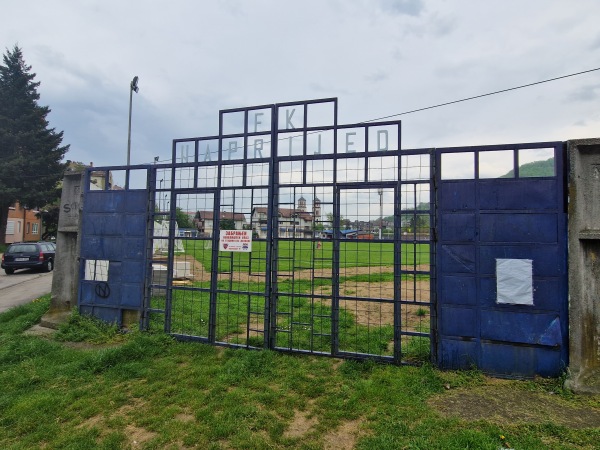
[29, 255]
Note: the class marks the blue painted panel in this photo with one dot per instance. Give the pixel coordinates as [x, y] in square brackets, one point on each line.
[95, 247]
[114, 229]
[530, 228]
[524, 328]
[545, 294]
[457, 258]
[458, 227]
[110, 315]
[132, 295]
[113, 299]
[508, 194]
[134, 248]
[506, 359]
[135, 225]
[547, 260]
[550, 362]
[115, 271]
[459, 289]
[102, 224]
[480, 221]
[459, 354]
[133, 271]
[457, 196]
[87, 294]
[90, 246]
[104, 201]
[136, 201]
[457, 321]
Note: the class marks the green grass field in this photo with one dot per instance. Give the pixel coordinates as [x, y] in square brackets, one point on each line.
[115, 391]
[292, 255]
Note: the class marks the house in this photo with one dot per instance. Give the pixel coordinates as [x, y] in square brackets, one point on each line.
[292, 223]
[23, 225]
[98, 179]
[346, 234]
[204, 220]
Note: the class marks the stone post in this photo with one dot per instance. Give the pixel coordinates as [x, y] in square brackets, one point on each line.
[65, 280]
[584, 266]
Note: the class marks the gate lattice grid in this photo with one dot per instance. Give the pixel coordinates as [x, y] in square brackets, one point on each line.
[341, 261]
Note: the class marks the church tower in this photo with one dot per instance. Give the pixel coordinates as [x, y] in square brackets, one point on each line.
[301, 205]
[317, 209]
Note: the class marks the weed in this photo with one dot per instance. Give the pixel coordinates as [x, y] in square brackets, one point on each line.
[88, 329]
[421, 312]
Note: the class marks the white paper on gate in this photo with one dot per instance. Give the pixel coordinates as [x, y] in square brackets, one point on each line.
[514, 281]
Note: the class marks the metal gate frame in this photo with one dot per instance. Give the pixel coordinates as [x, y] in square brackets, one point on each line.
[298, 290]
[355, 157]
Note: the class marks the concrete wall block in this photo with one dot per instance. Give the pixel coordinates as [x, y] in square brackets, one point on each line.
[584, 266]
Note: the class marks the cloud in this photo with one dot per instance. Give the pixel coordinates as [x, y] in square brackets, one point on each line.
[196, 57]
[585, 94]
[402, 7]
[376, 77]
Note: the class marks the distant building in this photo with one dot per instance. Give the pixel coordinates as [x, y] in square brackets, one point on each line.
[204, 221]
[292, 223]
[23, 225]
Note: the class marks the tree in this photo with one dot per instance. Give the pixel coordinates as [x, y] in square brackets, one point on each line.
[49, 215]
[227, 224]
[30, 151]
[183, 219]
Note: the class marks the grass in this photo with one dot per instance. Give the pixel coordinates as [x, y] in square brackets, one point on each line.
[148, 391]
[303, 321]
[293, 255]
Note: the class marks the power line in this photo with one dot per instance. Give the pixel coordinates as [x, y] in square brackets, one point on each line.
[464, 99]
[481, 95]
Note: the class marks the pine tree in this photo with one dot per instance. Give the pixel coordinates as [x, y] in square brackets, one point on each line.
[30, 151]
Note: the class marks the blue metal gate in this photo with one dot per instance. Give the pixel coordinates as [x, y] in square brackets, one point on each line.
[353, 247]
[502, 259]
[113, 270]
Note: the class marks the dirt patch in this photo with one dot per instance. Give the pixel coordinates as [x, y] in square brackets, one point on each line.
[135, 435]
[504, 402]
[301, 424]
[91, 422]
[138, 436]
[343, 437]
[185, 418]
[245, 334]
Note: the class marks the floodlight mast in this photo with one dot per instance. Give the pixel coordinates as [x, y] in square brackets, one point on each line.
[133, 86]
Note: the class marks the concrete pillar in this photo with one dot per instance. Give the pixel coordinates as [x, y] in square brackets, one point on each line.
[65, 280]
[584, 266]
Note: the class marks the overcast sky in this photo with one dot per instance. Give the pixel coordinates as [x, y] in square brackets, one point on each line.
[379, 57]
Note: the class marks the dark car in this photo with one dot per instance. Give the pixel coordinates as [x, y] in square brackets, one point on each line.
[29, 255]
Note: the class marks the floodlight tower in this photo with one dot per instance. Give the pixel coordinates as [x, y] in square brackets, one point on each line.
[133, 86]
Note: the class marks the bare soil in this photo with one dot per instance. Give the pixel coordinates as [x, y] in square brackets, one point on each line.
[505, 402]
[366, 312]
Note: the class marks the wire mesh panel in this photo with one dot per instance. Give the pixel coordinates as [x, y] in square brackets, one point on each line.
[289, 231]
[304, 268]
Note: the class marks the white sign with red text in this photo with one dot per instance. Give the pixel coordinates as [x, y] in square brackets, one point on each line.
[235, 240]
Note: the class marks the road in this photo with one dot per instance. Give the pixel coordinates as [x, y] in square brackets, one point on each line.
[22, 287]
